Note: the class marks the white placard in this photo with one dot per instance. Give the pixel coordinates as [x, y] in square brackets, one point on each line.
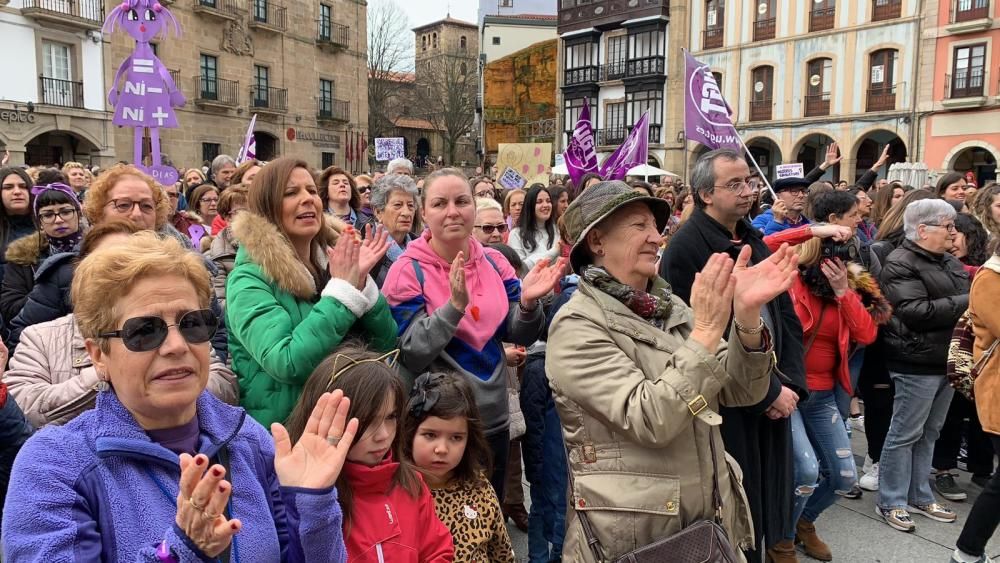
[712, 17]
[878, 74]
[388, 148]
[511, 179]
[814, 80]
[789, 171]
[758, 87]
[762, 8]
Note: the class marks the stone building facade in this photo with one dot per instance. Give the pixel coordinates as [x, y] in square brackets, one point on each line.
[299, 66]
[519, 97]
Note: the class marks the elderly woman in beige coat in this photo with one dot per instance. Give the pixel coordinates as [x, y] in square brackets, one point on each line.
[637, 376]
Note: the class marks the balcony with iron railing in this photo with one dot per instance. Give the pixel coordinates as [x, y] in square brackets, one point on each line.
[886, 9]
[333, 110]
[225, 9]
[817, 104]
[760, 110]
[581, 75]
[613, 71]
[216, 92]
[82, 14]
[332, 34]
[611, 136]
[269, 16]
[764, 29]
[645, 66]
[712, 38]
[822, 19]
[539, 131]
[965, 89]
[268, 99]
[881, 99]
[63, 93]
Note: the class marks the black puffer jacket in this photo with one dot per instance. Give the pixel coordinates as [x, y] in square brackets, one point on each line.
[928, 292]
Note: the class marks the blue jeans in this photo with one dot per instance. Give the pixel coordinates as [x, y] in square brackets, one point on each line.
[547, 517]
[918, 413]
[822, 457]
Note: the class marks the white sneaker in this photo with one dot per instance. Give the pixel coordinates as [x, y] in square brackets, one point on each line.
[868, 464]
[869, 481]
[858, 422]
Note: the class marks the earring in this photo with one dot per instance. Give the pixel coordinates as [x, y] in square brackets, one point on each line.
[600, 252]
[102, 383]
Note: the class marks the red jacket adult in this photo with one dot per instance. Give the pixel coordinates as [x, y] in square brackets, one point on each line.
[389, 525]
[856, 323]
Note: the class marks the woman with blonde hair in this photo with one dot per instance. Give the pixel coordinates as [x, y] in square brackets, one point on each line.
[513, 203]
[985, 205]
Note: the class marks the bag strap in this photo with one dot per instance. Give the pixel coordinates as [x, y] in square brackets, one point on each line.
[987, 354]
[588, 530]
[812, 338]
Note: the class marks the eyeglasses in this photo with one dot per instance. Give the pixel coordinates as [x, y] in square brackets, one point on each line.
[737, 186]
[950, 227]
[209, 200]
[50, 216]
[364, 189]
[123, 206]
[143, 334]
[488, 229]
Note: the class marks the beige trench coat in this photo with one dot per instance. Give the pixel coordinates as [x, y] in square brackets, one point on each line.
[627, 393]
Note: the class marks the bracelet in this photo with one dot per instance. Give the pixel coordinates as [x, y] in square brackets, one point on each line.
[751, 331]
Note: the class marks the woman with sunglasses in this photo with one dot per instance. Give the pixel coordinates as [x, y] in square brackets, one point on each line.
[298, 289]
[50, 373]
[535, 237]
[490, 226]
[342, 200]
[365, 186]
[57, 216]
[160, 470]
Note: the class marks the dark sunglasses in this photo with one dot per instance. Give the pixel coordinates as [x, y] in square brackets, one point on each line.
[488, 229]
[143, 334]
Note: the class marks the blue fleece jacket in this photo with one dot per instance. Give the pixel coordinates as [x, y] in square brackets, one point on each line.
[765, 223]
[98, 489]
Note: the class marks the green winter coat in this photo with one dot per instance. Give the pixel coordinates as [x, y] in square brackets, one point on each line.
[281, 327]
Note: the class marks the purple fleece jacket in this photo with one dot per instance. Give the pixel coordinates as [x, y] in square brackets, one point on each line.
[98, 489]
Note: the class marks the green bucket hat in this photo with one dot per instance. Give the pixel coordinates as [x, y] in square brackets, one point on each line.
[597, 203]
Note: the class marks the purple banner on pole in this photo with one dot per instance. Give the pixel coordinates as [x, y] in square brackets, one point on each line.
[706, 113]
[248, 150]
[581, 154]
[633, 152]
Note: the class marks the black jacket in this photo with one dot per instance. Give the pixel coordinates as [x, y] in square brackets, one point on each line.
[23, 257]
[761, 446]
[928, 292]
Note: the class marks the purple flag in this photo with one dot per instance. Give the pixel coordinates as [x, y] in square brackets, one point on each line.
[633, 152]
[581, 155]
[706, 113]
[248, 151]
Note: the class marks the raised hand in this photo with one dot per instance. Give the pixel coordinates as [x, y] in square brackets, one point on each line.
[761, 283]
[779, 210]
[540, 281]
[201, 500]
[343, 258]
[5, 159]
[711, 300]
[456, 279]
[317, 458]
[372, 251]
[832, 155]
[882, 159]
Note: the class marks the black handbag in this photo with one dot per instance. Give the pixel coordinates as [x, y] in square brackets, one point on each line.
[702, 542]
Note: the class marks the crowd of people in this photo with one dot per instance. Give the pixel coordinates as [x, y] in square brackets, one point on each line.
[365, 367]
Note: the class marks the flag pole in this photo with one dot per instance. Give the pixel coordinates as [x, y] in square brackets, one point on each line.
[684, 133]
[755, 165]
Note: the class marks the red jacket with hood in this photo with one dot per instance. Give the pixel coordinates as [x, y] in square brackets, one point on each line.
[387, 525]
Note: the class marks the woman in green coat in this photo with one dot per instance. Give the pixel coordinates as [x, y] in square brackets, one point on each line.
[297, 290]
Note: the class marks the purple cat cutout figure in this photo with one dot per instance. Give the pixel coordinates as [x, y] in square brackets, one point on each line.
[149, 96]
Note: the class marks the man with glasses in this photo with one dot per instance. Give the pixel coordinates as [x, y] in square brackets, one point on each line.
[759, 437]
[786, 212]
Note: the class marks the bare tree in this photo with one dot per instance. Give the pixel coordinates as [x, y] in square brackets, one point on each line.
[390, 55]
[446, 94]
